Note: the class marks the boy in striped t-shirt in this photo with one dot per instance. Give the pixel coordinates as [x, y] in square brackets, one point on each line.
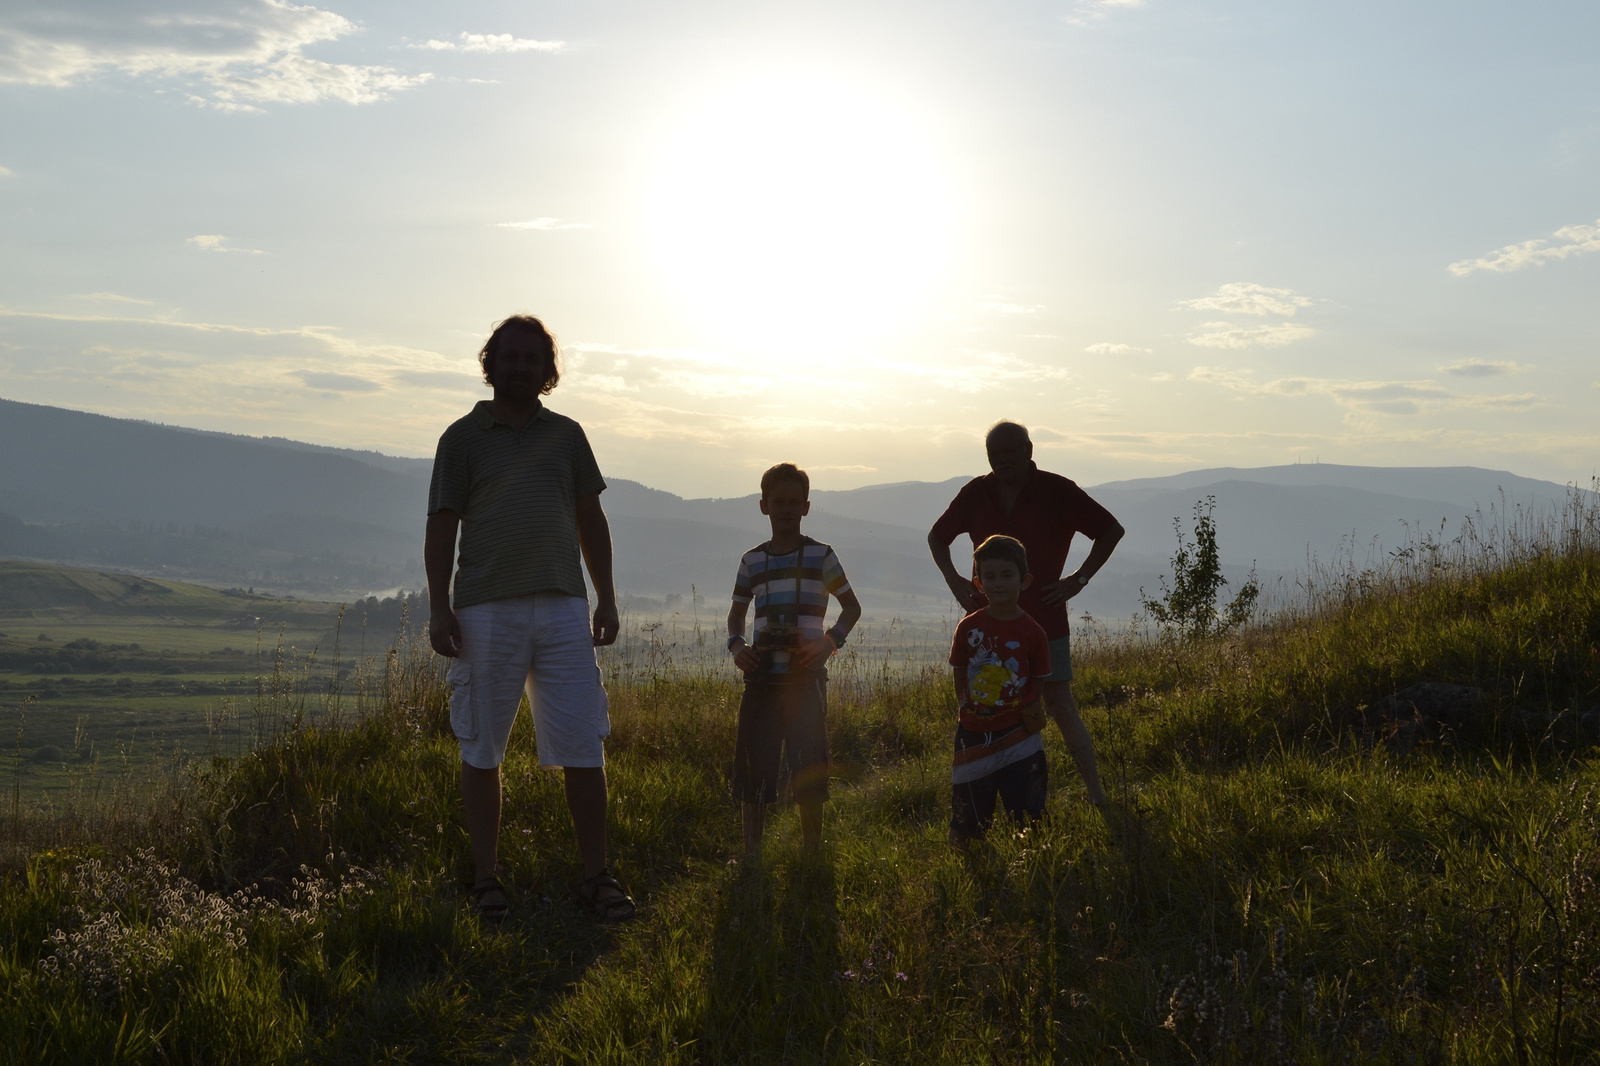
[783, 715]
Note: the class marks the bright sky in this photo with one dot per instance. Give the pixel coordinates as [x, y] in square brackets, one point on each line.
[1165, 235]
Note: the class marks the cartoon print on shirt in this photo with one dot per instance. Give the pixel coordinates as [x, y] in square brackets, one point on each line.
[992, 682]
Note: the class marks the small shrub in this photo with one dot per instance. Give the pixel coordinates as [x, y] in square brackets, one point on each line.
[1189, 608]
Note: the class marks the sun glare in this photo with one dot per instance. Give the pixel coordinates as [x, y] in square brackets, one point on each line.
[786, 210]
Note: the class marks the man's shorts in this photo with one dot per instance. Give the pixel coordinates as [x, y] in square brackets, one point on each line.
[542, 644]
[782, 725]
[1060, 660]
[1020, 783]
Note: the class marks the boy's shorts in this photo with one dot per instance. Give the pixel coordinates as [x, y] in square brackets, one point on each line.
[782, 725]
[542, 644]
[1010, 764]
[1060, 660]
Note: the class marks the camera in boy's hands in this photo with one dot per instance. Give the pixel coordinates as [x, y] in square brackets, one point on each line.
[779, 634]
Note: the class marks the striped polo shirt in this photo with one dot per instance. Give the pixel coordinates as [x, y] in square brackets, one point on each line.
[517, 493]
[795, 586]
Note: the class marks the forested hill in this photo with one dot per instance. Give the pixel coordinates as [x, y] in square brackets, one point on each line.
[336, 523]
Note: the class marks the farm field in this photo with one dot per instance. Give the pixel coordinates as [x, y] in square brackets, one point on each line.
[1367, 830]
[130, 670]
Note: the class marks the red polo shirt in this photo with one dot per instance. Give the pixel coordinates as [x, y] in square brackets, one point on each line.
[1048, 511]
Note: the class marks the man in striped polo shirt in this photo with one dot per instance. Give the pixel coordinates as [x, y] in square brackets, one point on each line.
[783, 715]
[521, 485]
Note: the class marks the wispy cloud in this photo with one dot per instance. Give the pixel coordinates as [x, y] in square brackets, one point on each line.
[1375, 397]
[309, 382]
[1087, 12]
[232, 57]
[1227, 335]
[1248, 298]
[7, 172]
[216, 242]
[331, 382]
[1565, 242]
[544, 224]
[492, 42]
[1107, 348]
[110, 297]
[977, 371]
[1479, 368]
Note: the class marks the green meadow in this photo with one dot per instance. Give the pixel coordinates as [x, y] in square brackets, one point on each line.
[1296, 865]
[102, 670]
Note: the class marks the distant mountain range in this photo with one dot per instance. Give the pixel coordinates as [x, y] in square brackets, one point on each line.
[336, 523]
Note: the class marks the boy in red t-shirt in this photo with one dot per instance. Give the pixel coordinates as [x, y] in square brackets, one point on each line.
[997, 655]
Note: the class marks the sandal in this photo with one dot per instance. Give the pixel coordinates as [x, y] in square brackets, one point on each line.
[610, 908]
[493, 913]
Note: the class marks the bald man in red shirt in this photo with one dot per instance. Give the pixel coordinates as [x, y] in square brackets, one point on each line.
[1042, 510]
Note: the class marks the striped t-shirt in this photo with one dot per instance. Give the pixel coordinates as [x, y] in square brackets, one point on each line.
[794, 587]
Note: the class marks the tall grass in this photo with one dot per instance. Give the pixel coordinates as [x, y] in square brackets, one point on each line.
[1278, 878]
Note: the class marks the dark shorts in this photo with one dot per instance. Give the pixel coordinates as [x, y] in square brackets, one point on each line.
[783, 726]
[1060, 660]
[1021, 786]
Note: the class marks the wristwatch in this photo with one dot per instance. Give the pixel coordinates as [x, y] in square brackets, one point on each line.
[1083, 581]
[737, 636]
[837, 635]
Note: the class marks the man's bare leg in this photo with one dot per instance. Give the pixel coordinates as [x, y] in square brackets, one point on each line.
[755, 822]
[811, 826]
[480, 802]
[586, 800]
[1058, 697]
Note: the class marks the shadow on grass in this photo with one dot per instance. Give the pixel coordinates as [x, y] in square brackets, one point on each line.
[773, 989]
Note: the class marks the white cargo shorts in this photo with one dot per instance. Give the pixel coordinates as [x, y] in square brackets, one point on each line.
[542, 644]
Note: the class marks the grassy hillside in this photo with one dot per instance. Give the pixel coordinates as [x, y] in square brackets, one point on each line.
[114, 665]
[1298, 866]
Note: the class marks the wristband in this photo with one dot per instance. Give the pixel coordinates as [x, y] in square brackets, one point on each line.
[836, 635]
[737, 636]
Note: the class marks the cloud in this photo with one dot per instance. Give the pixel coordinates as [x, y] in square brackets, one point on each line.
[454, 380]
[216, 242]
[231, 56]
[1227, 335]
[330, 382]
[1377, 397]
[1105, 348]
[1247, 298]
[492, 42]
[1518, 402]
[1570, 241]
[981, 371]
[1478, 368]
[309, 383]
[7, 172]
[544, 224]
[110, 297]
[1088, 12]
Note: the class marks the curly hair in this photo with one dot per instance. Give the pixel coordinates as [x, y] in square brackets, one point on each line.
[491, 348]
[1006, 549]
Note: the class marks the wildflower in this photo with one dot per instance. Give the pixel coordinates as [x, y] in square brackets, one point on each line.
[900, 975]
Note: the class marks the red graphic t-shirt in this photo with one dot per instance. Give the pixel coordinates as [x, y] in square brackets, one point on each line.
[1001, 659]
